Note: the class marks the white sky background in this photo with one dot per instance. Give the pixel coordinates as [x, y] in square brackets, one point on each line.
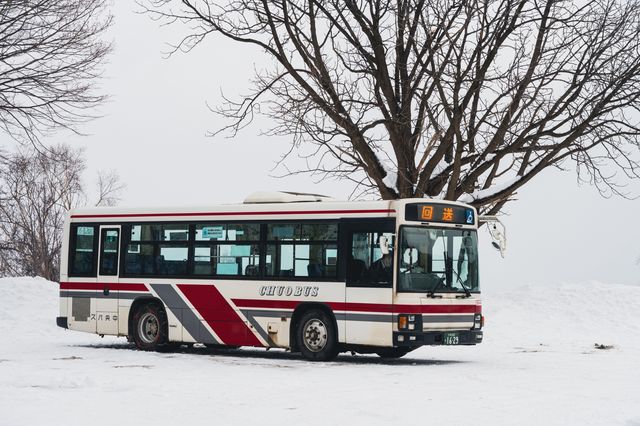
[153, 134]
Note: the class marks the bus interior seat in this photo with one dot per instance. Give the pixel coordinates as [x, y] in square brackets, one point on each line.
[161, 267]
[356, 270]
[251, 270]
[314, 270]
[83, 261]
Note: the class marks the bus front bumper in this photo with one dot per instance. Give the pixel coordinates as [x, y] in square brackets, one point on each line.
[421, 338]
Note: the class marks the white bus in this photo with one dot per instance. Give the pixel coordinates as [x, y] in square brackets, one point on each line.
[294, 271]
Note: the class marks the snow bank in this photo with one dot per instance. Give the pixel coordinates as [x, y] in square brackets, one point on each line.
[538, 365]
[568, 315]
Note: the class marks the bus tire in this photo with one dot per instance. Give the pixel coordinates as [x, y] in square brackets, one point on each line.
[316, 336]
[393, 353]
[150, 327]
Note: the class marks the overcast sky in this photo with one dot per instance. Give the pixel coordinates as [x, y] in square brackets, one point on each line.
[153, 133]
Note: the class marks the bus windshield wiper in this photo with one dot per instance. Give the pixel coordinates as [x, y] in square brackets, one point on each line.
[431, 293]
[464, 287]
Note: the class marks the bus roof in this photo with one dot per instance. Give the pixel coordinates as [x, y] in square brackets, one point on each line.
[254, 211]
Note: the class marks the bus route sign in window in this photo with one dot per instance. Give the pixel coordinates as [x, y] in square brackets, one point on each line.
[440, 213]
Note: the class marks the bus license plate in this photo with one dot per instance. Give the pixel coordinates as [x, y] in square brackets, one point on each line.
[450, 339]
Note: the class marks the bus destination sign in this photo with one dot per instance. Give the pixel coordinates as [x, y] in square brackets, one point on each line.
[441, 213]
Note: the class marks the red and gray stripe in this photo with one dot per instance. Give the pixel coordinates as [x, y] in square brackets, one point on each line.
[183, 312]
[128, 291]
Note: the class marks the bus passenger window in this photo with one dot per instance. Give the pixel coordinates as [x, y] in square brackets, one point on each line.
[366, 263]
[227, 259]
[302, 250]
[109, 252]
[156, 249]
[83, 259]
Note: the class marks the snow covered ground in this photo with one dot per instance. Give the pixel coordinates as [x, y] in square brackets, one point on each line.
[538, 365]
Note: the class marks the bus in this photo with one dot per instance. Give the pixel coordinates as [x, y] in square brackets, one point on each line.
[301, 272]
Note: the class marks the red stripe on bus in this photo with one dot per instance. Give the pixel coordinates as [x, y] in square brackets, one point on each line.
[96, 216]
[101, 286]
[437, 309]
[220, 316]
[365, 307]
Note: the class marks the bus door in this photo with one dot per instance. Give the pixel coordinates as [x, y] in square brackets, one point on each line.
[369, 282]
[107, 295]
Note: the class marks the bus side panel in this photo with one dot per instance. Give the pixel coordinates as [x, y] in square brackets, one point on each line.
[267, 307]
[177, 333]
[65, 305]
[368, 316]
[82, 312]
[124, 306]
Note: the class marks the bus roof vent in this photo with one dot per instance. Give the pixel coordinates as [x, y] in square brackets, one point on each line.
[266, 197]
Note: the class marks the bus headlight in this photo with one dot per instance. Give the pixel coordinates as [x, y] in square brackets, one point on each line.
[478, 321]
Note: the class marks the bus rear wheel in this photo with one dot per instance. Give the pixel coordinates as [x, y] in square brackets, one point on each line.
[149, 327]
[316, 336]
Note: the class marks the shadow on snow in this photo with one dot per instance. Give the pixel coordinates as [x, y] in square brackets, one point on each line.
[277, 354]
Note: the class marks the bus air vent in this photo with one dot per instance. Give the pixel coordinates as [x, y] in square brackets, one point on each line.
[266, 197]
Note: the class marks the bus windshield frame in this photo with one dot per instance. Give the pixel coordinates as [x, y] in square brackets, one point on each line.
[437, 260]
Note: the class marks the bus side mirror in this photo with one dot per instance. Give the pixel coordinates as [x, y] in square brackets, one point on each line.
[383, 243]
[498, 232]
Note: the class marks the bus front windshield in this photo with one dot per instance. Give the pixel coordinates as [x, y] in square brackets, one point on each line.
[436, 260]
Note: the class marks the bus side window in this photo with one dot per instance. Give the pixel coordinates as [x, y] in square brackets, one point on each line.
[83, 251]
[109, 252]
[302, 250]
[366, 264]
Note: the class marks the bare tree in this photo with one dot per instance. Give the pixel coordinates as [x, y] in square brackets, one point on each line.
[461, 100]
[36, 191]
[109, 188]
[50, 57]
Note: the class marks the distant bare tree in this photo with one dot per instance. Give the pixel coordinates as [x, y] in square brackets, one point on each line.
[109, 188]
[50, 57]
[460, 100]
[36, 191]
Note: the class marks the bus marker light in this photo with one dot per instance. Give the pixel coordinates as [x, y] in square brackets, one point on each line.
[402, 322]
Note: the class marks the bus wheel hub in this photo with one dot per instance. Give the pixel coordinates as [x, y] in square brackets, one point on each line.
[315, 335]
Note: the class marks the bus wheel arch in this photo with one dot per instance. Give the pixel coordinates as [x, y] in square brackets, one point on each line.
[323, 314]
[148, 324]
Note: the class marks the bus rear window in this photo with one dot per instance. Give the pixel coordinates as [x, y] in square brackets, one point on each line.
[83, 251]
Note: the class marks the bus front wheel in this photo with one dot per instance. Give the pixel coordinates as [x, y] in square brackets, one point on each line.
[149, 327]
[316, 336]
